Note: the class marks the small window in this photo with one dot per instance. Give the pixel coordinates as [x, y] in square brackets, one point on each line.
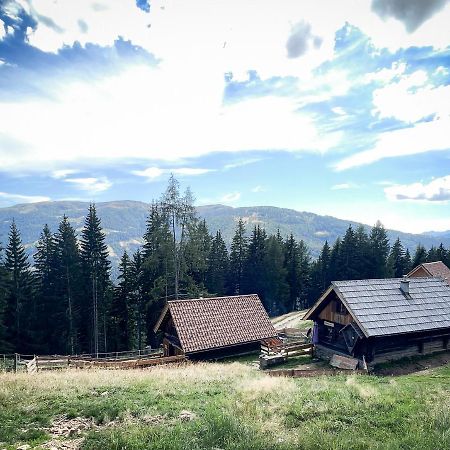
[340, 308]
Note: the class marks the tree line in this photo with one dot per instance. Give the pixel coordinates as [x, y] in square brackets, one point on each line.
[66, 302]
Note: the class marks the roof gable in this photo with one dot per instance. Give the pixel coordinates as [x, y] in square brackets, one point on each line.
[433, 269]
[381, 308]
[208, 323]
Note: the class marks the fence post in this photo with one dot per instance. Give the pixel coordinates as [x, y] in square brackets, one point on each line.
[15, 362]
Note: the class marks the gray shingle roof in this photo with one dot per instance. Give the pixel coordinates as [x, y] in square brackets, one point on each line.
[382, 309]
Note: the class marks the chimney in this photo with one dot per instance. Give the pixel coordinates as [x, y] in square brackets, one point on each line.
[404, 285]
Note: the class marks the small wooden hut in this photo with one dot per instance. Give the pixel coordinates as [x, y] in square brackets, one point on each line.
[382, 320]
[209, 328]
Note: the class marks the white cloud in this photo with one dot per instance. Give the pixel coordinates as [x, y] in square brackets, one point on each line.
[19, 198]
[437, 190]
[63, 173]
[411, 99]
[92, 184]
[258, 188]
[339, 111]
[386, 75]
[151, 114]
[231, 197]
[343, 186]
[152, 173]
[241, 163]
[421, 138]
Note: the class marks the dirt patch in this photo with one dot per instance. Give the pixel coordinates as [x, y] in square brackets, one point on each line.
[421, 366]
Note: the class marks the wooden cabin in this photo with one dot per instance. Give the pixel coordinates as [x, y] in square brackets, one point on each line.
[432, 269]
[382, 320]
[210, 328]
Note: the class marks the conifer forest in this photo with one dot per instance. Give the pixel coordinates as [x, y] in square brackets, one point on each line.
[63, 300]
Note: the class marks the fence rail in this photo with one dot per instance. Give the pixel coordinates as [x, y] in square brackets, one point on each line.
[115, 360]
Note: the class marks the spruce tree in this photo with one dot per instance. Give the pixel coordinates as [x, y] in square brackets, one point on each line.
[349, 261]
[196, 251]
[396, 260]
[292, 266]
[138, 333]
[276, 288]
[5, 346]
[121, 311]
[379, 251]
[407, 262]
[218, 265]
[47, 301]
[69, 287]
[254, 273]
[96, 267]
[156, 276]
[420, 256]
[238, 255]
[19, 302]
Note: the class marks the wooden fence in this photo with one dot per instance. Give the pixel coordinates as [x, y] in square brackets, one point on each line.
[123, 360]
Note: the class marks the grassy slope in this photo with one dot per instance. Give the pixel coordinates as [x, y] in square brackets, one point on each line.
[236, 406]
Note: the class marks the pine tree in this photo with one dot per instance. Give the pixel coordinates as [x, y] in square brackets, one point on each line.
[304, 274]
[396, 260]
[138, 306]
[276, 288]
[379, 251]
[238, 255]
[292, 266]
[19, 303]
[96, 267]
[407, 262]
[46, 314]
[121, 311]
[218, 265]
[5, 346]
[69, 287]
[197, 251]
[349, 261]
[420, 256]
[156, 276]
[334, 260]
[362, 256]
[254, 273]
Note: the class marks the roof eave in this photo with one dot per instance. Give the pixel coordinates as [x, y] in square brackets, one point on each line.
[161, 317]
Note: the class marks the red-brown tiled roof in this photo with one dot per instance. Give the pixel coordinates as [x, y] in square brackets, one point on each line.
[208, 323]
[434, 269]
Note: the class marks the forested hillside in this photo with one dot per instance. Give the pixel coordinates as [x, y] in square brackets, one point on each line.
[124, 224]
[64, 300]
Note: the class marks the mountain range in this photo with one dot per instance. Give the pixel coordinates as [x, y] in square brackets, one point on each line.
[124, 224]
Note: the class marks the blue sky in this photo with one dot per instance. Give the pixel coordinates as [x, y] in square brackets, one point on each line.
[345, 113]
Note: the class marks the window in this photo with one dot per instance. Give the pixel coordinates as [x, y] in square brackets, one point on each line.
[340, 308]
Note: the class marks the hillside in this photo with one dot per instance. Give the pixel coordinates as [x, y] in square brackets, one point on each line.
[124, 223]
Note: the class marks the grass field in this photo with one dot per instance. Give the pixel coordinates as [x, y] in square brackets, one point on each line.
[223, 406]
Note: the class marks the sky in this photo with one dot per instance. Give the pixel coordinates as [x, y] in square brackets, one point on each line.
[337, 108]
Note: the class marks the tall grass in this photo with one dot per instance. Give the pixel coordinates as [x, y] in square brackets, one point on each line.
[232, 406]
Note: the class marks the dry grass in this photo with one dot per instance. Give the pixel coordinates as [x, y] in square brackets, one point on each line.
[227, 406]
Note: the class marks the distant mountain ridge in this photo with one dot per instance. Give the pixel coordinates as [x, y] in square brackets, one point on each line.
[124, 223]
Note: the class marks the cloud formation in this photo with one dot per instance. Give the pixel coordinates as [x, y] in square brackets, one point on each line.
[230, 197]
[91, 184]
[437, 190]
[301, 40]
[153, 173]
[413, 13]
[19, 198]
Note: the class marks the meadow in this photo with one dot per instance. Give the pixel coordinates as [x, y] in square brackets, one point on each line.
[223, 406]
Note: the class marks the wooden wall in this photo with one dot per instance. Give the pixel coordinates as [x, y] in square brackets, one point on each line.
[329, 313]
[420, 273]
